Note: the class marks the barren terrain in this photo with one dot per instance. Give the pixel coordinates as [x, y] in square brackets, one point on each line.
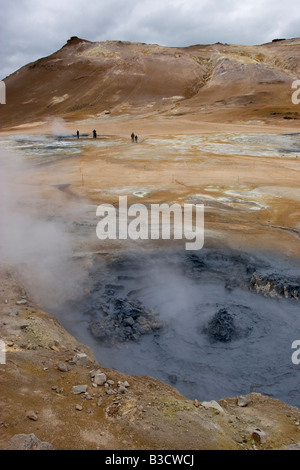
[215, 125]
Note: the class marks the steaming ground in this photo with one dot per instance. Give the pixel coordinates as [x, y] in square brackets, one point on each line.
[152, 312]
[185, 292]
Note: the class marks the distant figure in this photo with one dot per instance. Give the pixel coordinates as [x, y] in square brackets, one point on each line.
[132, 137]
[77, 134]
[136, 138]
[94, 134]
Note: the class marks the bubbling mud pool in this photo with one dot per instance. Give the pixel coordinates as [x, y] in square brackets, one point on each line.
[213, 323]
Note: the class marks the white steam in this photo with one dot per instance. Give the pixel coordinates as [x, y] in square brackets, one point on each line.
[32, 239]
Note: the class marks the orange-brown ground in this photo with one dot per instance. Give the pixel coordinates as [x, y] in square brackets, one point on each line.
[151, 415]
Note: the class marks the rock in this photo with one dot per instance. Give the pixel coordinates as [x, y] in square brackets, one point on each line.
[243, 401]
[122, 389]
[27, 442]
[81, 359]
[110, 382]
[99, 378]
[63, 367]
[31, 415]
[259, 436]
[213, 405]
[99, 402]
[126, 384]
[196, 403]
[14, 313]
[78, 407]
[77, 389]
[21, 302]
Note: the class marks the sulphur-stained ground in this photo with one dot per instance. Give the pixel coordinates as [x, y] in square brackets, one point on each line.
[216, 126]
[37, 397]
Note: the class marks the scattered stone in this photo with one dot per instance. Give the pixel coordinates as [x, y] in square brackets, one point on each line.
[110, 391]
[99, 402]
[77, 389]
[6, 301]
[259, 436]
[31, 415]
[99, 378]
[63, 367]
[10, 344]
[122, 389]
[81, 359]
[243, 401]
[27, 442]
[22, 327]
[126, 384]
[196, 403]
[213, 405]
[111, 382]
[88, 397]
[54, 387]
[14, 312]
[54, 348]
[21, 302]
[79, 407]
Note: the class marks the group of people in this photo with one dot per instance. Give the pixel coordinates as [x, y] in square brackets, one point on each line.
[94, 134]
[134, 138]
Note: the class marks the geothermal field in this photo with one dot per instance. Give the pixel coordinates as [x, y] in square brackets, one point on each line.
[216, 127]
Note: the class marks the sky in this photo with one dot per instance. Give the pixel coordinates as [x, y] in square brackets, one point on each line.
[31, 29]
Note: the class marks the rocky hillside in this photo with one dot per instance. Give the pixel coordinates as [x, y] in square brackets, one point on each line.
[219, 81]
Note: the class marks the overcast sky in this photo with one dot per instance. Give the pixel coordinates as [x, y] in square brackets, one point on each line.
[30, 29]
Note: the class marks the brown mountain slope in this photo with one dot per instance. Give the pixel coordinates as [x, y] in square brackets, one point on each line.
[219, 81]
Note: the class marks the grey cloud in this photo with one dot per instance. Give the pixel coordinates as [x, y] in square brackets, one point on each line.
[31, 29]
